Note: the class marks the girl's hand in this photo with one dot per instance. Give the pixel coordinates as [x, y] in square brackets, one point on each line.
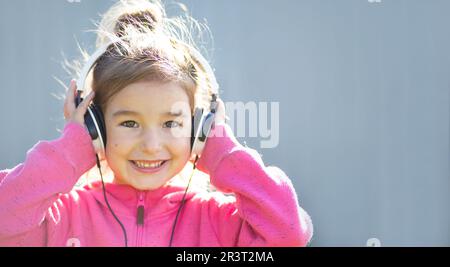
[71, 112]
[220, 113]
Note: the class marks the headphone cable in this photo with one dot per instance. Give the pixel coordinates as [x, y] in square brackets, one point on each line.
[109, 206]
[183, 201]
[120, 223]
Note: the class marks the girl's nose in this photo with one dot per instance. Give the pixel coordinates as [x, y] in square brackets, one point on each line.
[151, 142]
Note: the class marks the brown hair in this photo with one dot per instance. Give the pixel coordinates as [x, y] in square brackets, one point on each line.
[151, 48]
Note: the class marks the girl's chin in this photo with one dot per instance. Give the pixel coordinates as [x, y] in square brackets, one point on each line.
[148, 180]
[145, 187]
[140, 184]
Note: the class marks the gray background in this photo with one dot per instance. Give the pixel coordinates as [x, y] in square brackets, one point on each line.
[363, 90]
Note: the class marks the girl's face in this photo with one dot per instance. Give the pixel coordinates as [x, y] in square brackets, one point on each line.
[148, 126]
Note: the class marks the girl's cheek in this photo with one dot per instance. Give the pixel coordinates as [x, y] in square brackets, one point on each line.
[122, 145]
[181, 145]
[118, 142]
[119, 138]
[176, 133]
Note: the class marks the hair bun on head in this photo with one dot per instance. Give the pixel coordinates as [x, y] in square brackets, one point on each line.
[142, 19]
[141, 15]
[142, 42]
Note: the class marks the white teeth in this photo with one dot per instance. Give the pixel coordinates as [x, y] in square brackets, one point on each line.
[142, 164]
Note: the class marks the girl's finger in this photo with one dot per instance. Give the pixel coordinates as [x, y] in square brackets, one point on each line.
[85, 103]
[82, 108]
[75, 88]
[69, 103]
[220, 114]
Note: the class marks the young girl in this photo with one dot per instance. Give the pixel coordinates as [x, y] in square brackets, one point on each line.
[136, 83]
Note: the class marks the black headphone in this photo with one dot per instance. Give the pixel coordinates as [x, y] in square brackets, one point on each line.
[202, 122]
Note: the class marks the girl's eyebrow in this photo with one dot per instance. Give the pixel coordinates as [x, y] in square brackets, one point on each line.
[125, 113]
[174, 114]
[134, 113]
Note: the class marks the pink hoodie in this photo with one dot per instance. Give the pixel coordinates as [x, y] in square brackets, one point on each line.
[40, 207]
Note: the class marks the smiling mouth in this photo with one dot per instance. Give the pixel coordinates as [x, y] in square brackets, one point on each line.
[148, 165]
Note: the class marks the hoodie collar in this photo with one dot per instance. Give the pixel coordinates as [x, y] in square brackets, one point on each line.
[125, 199]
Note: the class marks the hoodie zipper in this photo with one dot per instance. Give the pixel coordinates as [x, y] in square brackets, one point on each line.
[140, 218]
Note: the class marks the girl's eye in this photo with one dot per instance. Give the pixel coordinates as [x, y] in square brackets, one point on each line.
[129, 124]
[172, 124]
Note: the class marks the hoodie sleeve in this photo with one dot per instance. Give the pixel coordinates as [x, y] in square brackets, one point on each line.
[265, 211]
[29, 192]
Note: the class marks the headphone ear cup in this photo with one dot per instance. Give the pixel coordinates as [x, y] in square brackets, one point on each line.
[196, 121]
[100, 122]
[202, 132]
[95, 125]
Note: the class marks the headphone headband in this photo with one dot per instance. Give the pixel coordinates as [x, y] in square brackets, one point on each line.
[90, 64]
[201, 121]
[81, 82]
